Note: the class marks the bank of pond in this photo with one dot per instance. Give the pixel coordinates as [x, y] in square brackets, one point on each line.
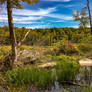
[66, 76]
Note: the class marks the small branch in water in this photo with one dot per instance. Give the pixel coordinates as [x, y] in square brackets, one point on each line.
[73, 83]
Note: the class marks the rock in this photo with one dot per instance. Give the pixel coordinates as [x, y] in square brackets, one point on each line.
[85, 62]
[28, 57]
[47, 65]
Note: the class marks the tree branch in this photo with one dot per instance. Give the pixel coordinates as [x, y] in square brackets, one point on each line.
[19, 44]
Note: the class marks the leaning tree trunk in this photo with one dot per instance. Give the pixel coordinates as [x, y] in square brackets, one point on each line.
[89, 12]
[12, 33]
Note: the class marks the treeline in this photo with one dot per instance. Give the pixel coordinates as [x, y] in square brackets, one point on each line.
[46, 36]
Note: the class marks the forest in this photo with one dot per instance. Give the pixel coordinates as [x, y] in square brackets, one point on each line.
[56, 59]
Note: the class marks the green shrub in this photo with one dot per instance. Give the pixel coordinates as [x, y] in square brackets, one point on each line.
[64, 57]
[86, 39]
[68, 48]
[25, 47]
[66, 70]
[64, 47]
[85, 47]
[45, 77]
[4, 50]
[36, 76]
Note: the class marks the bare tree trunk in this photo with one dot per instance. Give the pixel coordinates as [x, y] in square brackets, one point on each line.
[89, 12]
[12, 33]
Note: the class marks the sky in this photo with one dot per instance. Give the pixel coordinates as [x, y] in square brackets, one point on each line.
[45, 14]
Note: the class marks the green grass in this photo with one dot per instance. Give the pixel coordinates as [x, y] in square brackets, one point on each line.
[66, 70]
[36, 76]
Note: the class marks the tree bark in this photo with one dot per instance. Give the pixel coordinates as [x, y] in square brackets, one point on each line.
[12, 33]
[89, 12]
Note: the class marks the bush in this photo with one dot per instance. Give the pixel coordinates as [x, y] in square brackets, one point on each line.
[86, 39]
[4, 50]
[65, 57]
[66, 70]
[68, 48]
[25, 47]
[64, 47]
[85, 47]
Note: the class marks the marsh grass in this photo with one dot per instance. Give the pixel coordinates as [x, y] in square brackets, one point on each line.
[36, 76]
[66, 70]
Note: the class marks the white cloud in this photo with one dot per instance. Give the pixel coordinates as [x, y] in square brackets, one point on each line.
[3, 18]
[76, 26]
[17, 19]
[39, 12]
[57, 0]
[60, 16]
[37, 26]
[24, 16]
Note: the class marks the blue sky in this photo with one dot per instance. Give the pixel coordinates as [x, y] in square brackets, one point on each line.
[45, 14]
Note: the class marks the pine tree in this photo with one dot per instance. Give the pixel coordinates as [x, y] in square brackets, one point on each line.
[10, 5]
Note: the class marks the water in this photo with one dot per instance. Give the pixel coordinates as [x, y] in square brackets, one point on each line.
[84, 78]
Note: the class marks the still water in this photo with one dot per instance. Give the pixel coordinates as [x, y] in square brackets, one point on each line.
[83, 79]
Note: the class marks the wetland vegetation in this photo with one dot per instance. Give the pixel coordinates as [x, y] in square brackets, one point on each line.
[30, 73]
[55, 59]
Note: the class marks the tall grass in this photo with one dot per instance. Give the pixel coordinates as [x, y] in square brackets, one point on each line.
[36, 76]
[66, 70]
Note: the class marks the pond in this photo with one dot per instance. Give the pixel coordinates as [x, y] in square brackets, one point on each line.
[82, 83]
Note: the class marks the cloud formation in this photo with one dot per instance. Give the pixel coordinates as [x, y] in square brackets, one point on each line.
[57, 0]
[37, 18]
[27, 16]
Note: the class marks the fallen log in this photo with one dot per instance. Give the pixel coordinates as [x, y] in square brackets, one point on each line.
[47, 65]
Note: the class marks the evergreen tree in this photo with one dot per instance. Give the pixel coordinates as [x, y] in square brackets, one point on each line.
[10, 5]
